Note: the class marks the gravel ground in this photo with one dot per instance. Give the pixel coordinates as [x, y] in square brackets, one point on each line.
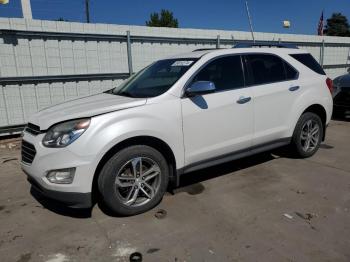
[262, 208]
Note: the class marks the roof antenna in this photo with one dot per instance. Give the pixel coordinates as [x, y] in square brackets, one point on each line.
[250, 20]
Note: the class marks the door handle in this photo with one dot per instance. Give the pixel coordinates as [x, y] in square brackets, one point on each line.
[294, 88]
[243, 100]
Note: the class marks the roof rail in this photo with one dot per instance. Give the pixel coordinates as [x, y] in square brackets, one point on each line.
[206, 49]
[265, 44]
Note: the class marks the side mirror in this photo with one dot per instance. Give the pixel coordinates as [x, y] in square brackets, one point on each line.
[200, 88]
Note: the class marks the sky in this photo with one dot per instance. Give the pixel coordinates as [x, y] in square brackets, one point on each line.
[267, 15]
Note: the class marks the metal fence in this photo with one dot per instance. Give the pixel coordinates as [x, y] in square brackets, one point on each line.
[43, 63]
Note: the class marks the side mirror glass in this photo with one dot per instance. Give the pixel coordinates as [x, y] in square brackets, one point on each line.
[200, 88]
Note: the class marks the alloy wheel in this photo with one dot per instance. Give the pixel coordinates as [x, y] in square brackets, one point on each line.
[310, 135]
[138, 181]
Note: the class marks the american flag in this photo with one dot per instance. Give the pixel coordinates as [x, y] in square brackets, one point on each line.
[320, 25]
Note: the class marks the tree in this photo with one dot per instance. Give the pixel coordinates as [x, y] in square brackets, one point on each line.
[164, 19]
[337, 25]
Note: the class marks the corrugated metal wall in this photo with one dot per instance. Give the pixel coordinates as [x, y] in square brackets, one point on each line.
[46, 62]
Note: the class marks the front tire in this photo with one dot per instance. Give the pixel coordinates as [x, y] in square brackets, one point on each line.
[134, 180]
[307, 135]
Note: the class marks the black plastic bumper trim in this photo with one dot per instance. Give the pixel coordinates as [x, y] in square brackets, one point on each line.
[71, 199]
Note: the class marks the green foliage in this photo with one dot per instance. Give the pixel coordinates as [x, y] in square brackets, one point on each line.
[164, 19]
[337, 25]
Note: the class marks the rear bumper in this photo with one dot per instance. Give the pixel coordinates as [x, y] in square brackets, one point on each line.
[71, 199]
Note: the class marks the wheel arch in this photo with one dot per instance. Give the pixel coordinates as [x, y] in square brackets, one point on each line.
[321, 112]
[151, 141]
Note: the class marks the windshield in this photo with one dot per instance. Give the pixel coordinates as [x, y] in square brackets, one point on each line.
[155, 79]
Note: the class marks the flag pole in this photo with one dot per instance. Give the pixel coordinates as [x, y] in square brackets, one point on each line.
[250, 20]
[26, 9]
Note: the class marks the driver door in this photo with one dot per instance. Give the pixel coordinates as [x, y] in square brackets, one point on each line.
[218, 125]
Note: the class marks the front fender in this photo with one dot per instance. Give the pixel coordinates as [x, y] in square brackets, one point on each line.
[162, 121]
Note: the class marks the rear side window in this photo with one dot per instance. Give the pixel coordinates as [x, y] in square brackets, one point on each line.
[225, 72]
[265, 68]
[309, 61]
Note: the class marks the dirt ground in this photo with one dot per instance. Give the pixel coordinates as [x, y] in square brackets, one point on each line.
[262, 208]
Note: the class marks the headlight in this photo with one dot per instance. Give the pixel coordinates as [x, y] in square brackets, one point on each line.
[62, 135]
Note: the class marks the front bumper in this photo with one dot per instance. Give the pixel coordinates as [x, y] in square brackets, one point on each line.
[71, 199]
[78, 193]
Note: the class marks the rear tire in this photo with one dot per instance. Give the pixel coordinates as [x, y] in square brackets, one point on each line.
[134, 180]
[307, 135]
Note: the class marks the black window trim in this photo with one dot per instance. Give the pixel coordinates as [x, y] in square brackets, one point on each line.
[189, 81]
[267, 83]
[244, 69]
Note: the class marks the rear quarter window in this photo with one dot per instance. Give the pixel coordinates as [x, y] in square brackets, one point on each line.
[309, 61]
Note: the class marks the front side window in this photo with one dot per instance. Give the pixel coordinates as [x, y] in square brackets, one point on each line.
[155, 79]
[265, 69]
[225, 72]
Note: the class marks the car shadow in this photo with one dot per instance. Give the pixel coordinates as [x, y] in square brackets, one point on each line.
[60, 208]
[190, 183]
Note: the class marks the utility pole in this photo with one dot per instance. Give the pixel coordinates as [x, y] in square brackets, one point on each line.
[26, 9]
[87, 10]
[250, 20]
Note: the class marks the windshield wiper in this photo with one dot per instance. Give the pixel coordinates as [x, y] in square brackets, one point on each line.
[124, 93]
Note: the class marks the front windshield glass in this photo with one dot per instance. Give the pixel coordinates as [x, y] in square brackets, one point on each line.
[155, 79]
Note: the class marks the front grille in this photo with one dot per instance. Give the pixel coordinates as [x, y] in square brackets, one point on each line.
[32, 129]
[28, 152]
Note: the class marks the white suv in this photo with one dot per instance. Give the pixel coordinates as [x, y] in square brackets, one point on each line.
[177, 115]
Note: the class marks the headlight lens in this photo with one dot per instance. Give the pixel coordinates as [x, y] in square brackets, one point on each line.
[62, 135]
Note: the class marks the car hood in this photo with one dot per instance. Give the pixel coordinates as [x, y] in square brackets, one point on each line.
[84, 107]
[342, 81]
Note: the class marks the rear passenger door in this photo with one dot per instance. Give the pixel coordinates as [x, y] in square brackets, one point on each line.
[274, 88]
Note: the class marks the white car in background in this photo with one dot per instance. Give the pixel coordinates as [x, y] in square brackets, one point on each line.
[180, 114]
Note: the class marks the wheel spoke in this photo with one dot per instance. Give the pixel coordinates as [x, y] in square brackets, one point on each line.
[307, 144]
[151, 173]
[303, 135]
[314, 141]
[308, 125]
[145, 192]
[150, 188]
[134, 164]
[124, 184]
[140, 168]
[131, 198]
[315, 130]
[126, 178]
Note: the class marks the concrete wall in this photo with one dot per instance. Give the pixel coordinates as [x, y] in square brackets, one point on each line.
[83, 49]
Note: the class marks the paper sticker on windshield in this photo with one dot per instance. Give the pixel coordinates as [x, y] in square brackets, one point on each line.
[182, 63]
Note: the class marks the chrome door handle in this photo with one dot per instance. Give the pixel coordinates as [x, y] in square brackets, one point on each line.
[294, 88]
[243, 100]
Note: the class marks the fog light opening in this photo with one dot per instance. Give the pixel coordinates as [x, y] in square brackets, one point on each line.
[61, 176]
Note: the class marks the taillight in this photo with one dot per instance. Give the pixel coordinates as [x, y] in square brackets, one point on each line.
[329, 83]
